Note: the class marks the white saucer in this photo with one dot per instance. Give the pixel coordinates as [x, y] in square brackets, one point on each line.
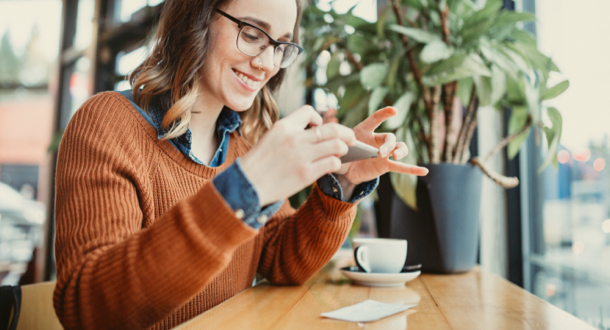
[379, 279]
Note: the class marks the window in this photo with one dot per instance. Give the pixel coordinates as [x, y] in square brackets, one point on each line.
[567, 234]
[29, 46]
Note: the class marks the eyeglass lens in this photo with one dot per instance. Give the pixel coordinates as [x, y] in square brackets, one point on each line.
[252, 42]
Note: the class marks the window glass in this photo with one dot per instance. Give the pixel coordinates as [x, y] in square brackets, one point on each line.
[570, 243]
[29, 44]
[84, 24]
[126, 8]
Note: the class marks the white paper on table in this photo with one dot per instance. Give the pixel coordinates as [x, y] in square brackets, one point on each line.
[366, 311]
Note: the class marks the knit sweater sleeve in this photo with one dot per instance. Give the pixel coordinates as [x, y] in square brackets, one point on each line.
[299, 243]
[111, 273]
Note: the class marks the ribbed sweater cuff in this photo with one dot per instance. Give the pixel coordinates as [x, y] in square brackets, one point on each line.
[220, 219]
[334, 209]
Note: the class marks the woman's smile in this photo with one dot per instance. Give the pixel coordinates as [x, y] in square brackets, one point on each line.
[247, 81]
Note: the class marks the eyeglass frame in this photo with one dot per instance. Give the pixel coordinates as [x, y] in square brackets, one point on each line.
[273, 42]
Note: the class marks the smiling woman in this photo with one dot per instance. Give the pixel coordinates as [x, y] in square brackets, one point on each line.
[171, 195]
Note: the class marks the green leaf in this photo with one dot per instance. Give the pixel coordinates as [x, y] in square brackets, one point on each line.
[523, 36]
[488, 13]
[419, 35]
[355, 21]
[556, 90]
[404, 184]
[435, 18]
[353, 94]
[517, 121]
[357, 43]
[333, 85]
[447, 65]
[531, 97]
[475, 32]
[483, 90]
[318, 44]
[333, 65]
[471, 65]
[402, 106]
[516, 58]
[394, 66]
[377, 96]
[416, 4]
[356, 114]
[373, 75]
[553, 136]
[498, 84]
[511, 18]
[475, 63]
[435, 51]
[381, 22]
[493, 55]
[515, 89]
[534, 56]
[464, 90]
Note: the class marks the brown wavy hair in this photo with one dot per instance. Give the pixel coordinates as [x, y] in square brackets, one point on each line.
[170, 74]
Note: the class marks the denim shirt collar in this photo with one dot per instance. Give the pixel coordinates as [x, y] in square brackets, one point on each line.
[228, 121]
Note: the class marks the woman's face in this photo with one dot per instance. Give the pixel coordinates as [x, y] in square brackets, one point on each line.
[230, 77]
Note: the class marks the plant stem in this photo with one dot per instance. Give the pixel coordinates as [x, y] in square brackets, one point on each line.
[457, 155]
[450, 90]
[352, 59]
[434, 130]
[426, 95]
[507, 139]
[445, 25]
[504, 181]
[471, 128]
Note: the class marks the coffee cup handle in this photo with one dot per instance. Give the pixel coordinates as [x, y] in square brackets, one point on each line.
[361, 256]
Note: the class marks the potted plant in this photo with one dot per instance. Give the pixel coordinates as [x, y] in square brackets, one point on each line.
[437, 62]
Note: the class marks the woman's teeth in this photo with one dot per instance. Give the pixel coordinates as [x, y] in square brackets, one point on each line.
[247, 80]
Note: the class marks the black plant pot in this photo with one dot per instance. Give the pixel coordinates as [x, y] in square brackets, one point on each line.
[443, 234]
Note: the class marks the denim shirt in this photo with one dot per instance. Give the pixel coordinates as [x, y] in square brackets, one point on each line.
[232, 183]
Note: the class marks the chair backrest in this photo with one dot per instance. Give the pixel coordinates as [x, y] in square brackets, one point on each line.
[37, 310]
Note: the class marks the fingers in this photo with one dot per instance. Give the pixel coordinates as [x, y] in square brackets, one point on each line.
[331, 131]
[400, 151]
[406, 169]
[387, 143]
[378, 117]
[304, 116]
[332, 147]
[325, 165]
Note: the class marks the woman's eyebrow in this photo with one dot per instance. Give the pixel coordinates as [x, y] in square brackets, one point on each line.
[262, 24]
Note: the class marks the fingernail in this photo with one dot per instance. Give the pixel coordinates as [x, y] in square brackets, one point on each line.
[383, 151]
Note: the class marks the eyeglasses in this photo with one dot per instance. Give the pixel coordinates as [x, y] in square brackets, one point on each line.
[253, 41]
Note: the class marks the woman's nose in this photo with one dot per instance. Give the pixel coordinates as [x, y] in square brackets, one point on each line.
[266, 59]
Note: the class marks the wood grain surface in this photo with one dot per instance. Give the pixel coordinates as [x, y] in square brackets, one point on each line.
[472, 300]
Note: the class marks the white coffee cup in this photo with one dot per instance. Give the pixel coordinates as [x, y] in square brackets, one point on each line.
[380, 255]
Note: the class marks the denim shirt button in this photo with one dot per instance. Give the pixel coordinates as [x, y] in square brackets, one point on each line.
[335, 190]
[262, 219]
[240, 214]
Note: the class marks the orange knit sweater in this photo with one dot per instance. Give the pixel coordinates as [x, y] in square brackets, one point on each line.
[144, 240]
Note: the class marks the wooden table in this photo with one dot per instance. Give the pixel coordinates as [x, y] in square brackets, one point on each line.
[473, 300]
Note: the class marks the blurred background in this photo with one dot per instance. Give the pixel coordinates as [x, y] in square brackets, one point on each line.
[550, 235]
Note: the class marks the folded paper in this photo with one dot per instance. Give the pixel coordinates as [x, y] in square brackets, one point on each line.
[366, 311]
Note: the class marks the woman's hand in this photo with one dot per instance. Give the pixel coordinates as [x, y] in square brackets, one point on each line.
[289, 158]
[365, 170]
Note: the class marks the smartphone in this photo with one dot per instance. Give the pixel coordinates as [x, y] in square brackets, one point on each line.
[360, 151]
